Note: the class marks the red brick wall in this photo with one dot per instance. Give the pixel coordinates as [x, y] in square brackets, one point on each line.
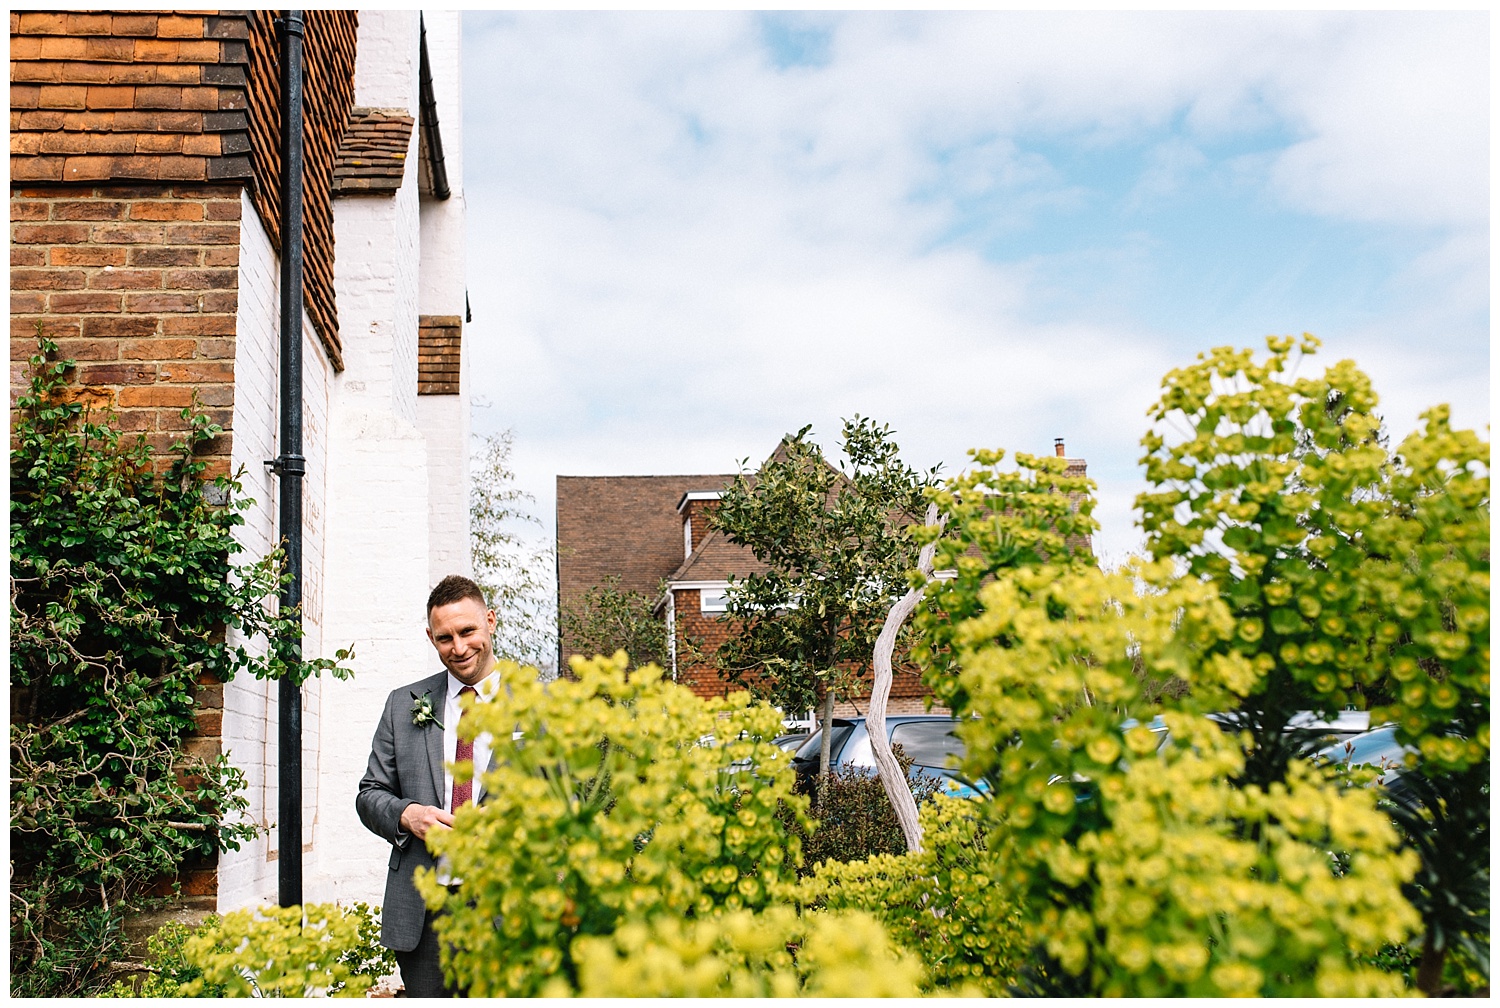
[708, 633]
[139, 286]
[908, 694]
[328, 48]
[112, 97]
[697, 512]
[197, 879]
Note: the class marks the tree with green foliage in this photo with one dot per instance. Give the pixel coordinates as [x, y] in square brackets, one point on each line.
[608, 618]
[123, 582]
[515, 575]
[837, 549]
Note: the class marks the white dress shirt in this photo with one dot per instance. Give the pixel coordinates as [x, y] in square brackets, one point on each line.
[486, 689]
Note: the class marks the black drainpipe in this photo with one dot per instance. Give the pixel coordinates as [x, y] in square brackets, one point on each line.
[430, 131]
[290, 465]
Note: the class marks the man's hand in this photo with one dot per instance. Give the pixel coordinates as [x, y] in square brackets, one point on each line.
[418, 819]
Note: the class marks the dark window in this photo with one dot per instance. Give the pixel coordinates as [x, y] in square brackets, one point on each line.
[808, 752]
[928, 743]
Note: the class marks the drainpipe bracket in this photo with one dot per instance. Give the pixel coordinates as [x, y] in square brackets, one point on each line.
[288, 465]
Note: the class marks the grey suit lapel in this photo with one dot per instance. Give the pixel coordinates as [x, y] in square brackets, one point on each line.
[436, 689]
[484, 792]
[435, 760]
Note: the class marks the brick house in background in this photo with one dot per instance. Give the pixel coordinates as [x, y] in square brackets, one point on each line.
[652, 532]
[145, 234]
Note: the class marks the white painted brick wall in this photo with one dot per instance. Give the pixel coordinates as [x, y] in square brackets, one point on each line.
[377, 253]
[445, 419]
[386, 497]
[379, 513]
[378, 587]
[385, 70]
[248, 876]
[443, 267]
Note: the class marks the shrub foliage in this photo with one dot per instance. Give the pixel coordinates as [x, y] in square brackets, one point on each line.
[855, 820]
[1287, 575]
[619, 798]
[312, 951]
[943, 903]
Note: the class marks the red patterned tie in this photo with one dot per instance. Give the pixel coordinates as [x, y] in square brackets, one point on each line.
[462, 793]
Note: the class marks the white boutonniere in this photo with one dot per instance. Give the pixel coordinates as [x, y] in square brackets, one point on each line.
[422, 713]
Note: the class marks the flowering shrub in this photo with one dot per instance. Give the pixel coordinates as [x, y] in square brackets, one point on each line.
[290, 951]
[317, 950]
[166, 969]
[620, 798]
[1155, 874]
[941, 903]
[1353, 574]
[1428, 570]
[1296, 566]
[1350, 574]
[775, 953]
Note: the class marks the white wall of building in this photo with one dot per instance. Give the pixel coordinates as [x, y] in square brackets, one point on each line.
[445, 419]
[248, 876]
[377, 541]
[386, 495]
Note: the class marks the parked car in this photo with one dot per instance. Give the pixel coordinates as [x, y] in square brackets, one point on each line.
[1309, 725]
[792, 741]
[1343, 726]
[927, 738]
[1377, 748]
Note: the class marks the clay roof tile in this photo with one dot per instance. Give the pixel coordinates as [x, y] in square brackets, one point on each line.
[372, 157]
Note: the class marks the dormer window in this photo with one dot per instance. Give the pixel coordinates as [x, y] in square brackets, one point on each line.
[694, 524]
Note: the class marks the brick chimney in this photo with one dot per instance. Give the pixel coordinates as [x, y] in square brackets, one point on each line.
[1076, 466]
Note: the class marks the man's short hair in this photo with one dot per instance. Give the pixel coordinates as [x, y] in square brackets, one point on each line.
[454, 588]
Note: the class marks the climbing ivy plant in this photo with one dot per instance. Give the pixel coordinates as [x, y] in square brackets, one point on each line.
[123, 581]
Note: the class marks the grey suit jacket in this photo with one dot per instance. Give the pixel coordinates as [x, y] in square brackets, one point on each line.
[405, 768]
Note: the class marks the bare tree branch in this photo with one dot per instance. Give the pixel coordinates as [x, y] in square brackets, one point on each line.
[897, 787]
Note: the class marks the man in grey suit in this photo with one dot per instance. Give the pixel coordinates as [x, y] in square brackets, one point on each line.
[407, 790]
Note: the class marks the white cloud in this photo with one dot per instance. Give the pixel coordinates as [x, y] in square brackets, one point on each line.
[1395, 111]
[680, 252]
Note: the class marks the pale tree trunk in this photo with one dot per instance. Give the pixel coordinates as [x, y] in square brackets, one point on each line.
[825, 745]
[897, 787]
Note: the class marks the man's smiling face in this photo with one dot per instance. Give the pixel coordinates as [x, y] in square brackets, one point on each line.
[462, 632]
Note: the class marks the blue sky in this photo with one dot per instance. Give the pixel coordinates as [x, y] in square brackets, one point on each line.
[690, 234]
